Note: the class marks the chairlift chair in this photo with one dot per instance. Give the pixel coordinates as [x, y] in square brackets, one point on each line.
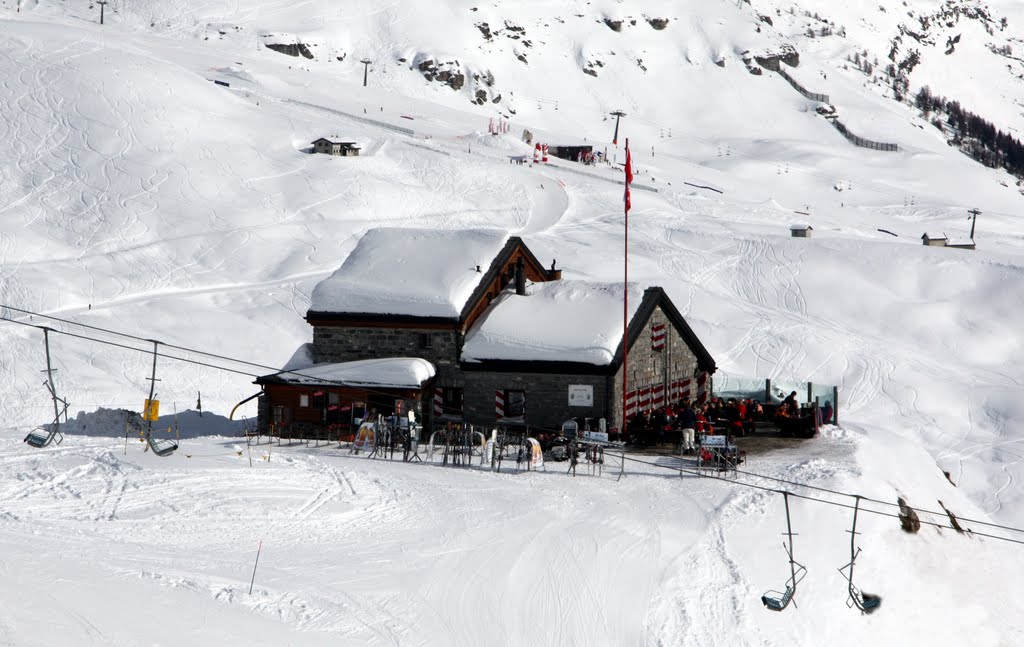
[161, 446]
[40, 437]
[866, 602]
[779, 600]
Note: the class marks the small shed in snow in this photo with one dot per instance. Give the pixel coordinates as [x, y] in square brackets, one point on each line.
[332, 147]
[933, 239]
[573, 153]
[801, 231]
[961, 243]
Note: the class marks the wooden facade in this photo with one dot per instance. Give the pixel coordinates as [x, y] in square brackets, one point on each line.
[327, 411]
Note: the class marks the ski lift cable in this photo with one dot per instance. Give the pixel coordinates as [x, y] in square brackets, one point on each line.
[134, 337]
[275, 370]
[878, 501]
[313, 378]
[134, 348]
[837, 504]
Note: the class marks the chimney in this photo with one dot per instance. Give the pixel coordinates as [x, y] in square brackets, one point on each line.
[520, 278]
[554, 274]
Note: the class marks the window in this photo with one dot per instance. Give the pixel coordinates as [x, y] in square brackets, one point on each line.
[282, 415]
[333, 398]
[451, 401]
[515, 404]
[426, 340]
[304, 400]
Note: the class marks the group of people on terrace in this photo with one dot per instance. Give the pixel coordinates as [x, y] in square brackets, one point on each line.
[680, 423]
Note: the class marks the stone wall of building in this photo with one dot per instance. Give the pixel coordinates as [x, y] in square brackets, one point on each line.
[547, 397]
[547, 400]
[647, 366]
[337, 344]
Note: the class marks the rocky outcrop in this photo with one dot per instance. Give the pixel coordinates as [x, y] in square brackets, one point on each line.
[291, 49]
[447, 72]
[614, 25]
[658, 23]
[770, 60]
[908, 517]
[748, 61]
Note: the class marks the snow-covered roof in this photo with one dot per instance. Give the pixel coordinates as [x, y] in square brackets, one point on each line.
[934, 235]
[417, 272]
[959, 242]
[334, 140]
[801, 228]
[393, 372]
[558, 321]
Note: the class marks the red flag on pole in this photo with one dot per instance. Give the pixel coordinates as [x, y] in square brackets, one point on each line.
[629, 176]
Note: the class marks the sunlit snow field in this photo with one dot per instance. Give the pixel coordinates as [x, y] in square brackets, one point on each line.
[137, 195]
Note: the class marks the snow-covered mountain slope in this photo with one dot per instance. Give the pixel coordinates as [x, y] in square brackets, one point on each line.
[136, 194]
[185, 211]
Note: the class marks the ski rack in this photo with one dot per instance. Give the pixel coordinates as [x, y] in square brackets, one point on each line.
[777, 600]
[160, 447]
[513, 442]
[41, 437]
[382, 440]
[866, 602]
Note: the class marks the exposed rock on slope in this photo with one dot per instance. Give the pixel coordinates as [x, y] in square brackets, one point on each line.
[291, 49]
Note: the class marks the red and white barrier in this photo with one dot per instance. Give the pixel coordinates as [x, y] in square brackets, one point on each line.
[499, 404]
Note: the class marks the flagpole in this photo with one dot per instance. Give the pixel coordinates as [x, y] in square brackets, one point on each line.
[625, 292]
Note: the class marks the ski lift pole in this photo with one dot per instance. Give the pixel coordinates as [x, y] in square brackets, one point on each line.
[152, 391]
[853, 544]
[789, 533]
[49, 378]
[853, 541]
[866, 602]
[41, 436]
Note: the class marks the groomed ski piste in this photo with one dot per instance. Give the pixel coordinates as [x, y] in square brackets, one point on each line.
[139, 196]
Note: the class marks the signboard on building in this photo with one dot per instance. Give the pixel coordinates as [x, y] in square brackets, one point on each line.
[581, 395]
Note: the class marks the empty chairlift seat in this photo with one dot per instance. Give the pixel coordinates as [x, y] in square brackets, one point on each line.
[162, 447]
[40, 437]
[778, 604]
